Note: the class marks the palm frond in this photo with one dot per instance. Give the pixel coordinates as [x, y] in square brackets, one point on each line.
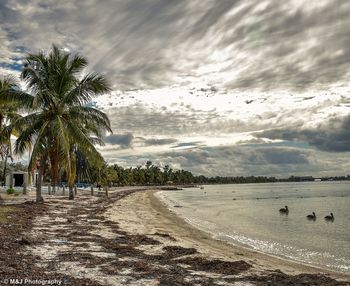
[83, 142]
[77, 64]
[90, 86]
[29, 135]
[90, 115]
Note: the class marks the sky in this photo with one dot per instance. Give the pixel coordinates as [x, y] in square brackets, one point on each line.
[239, 87]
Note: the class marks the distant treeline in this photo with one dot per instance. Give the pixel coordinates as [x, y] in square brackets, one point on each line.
[311, 179]
[149, 174]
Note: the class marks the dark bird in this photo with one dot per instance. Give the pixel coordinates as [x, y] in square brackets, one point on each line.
[284, 210]
[311, 216]
[329, 217]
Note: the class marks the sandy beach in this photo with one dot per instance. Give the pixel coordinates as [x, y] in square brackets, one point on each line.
[131, 238]
[144, 213]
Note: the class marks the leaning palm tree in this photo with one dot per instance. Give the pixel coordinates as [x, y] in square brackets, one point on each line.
[61, 119]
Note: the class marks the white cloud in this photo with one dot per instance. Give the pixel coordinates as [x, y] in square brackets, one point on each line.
[212, 72]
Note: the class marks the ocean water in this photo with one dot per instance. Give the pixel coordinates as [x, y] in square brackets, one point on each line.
[248, 215]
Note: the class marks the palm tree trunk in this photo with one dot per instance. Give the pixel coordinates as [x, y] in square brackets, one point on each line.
[71, 174]
[4, 174]
[55, 170]
[39, 197]
[71, 193]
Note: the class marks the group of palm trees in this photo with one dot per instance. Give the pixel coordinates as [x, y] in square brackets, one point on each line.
[149, 174]
[51, 117]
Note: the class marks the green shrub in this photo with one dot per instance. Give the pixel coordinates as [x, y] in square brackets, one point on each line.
[10, 191]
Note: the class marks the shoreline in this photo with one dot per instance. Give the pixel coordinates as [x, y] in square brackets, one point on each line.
[289, 265]
[223, 247]
[131, 238]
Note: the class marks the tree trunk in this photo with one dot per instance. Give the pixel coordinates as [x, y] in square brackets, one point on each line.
[71, 175]
[71, 193]
[4, 174]
[39, 198]
[55, 170]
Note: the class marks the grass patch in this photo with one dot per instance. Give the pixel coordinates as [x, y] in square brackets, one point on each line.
[4, 212]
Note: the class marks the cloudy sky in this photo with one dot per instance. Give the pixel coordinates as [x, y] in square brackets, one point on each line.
[229, 87]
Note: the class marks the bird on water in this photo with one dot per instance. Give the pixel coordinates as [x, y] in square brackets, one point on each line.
[329, 217]
[311, 216]
[284, 210]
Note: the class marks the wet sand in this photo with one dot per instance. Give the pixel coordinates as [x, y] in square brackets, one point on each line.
[144, 213]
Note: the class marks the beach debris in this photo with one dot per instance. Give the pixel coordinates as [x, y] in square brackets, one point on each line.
[165, 235]
[23, 241]
[172, 251]
[216, 265]
[280, 278]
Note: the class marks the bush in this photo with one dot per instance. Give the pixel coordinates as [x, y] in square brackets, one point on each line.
[10, 191]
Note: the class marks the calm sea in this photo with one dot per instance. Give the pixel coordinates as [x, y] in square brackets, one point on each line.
[248, 215]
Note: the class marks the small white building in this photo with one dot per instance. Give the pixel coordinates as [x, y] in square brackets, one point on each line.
[17, 179]
[21, 179]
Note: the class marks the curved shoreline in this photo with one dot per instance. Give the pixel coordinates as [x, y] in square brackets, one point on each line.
[208, 244]
[131, 238]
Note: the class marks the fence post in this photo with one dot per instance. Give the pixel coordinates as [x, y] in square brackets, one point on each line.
[75, 190]
[64, 190]
[49, 189]
[92, 190]
[106, 190]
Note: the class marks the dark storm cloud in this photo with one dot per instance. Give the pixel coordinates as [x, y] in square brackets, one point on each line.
[301, 47]
[331, 136]
[277, 156]
[236, 161]
[146, 121]
[251, 142]
[242, 157]
[159, 141]
[142, 44]
[123, 140]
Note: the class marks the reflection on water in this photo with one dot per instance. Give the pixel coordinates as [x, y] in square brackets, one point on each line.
[249, 215]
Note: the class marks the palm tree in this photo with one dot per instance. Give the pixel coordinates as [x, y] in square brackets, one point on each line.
[9, 106]
[61, 121]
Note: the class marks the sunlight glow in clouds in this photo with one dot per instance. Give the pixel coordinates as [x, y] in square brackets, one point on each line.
[198, 84]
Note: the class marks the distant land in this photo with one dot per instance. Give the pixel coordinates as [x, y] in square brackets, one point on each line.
[263, 179]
